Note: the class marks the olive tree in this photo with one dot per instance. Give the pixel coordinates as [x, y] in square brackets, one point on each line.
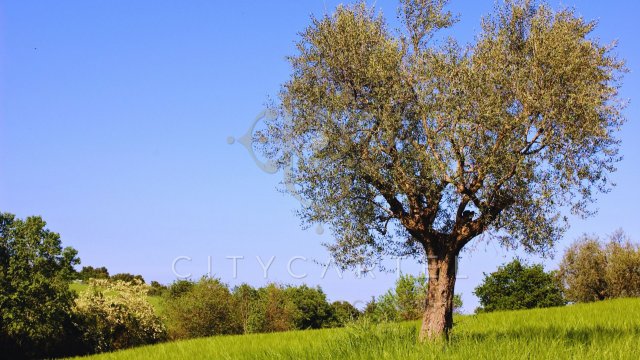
[592, 269]
[582, 270]
[406, 146]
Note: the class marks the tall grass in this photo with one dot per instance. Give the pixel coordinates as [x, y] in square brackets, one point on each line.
[605, 330]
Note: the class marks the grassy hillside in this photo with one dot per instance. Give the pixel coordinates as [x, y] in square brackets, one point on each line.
[605, 330]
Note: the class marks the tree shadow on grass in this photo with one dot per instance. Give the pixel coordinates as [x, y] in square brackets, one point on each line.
[576, 336]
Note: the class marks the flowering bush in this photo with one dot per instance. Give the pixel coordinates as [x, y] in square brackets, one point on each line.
[117, 315]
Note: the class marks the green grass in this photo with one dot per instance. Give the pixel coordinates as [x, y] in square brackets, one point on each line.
[78, 287]
[158, 304]
[605, 330]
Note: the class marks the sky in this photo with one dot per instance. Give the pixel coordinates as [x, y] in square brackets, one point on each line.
[120, 120]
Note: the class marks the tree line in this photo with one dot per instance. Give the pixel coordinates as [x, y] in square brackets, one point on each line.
[41, 316]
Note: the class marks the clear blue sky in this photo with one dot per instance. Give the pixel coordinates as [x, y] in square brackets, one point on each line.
[114, 118]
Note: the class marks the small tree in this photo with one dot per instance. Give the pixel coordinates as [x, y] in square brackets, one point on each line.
[245, 300]
[386, 307]
[35, 300]
[519, 286]
[582, 270]
[592, 271]
[411, 293]
[404, 147]
[622, 274]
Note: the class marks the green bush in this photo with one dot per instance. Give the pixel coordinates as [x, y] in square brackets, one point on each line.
[313, 310]
[204, 308]
[208, 308]
[280, 308]
[126, 277]
[519, 286]
[179, 287]
[410, 294]
[274, 310]
[157, 289]
[343, 313]
[386, 308]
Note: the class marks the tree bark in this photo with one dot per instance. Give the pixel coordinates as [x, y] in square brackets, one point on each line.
[438, 315]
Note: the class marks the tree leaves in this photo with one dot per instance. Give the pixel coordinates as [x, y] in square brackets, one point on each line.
[513, 128]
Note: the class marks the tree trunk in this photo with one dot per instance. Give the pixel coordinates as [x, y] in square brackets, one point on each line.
[438, 315]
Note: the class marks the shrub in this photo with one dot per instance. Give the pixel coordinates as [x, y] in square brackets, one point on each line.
[280, 308]
[126, 277]
[370, 309]
[89, 272]
[275, 311]
[519, 286]
[245, 300]
[313, 310]
[202, 309]
[156, 289]
[35, 300]
[342, 313]
[179, 287]
[116, 315]
[410, 294]
[386, 307]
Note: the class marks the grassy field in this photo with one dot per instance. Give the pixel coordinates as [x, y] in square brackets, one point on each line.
[605, 330]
